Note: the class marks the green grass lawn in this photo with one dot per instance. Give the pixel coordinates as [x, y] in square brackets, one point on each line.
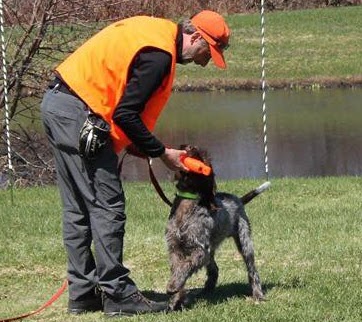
[306, 232]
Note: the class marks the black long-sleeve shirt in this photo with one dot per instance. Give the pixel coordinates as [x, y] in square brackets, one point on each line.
[147, 72]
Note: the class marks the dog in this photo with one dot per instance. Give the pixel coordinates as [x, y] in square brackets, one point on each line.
[200, 220]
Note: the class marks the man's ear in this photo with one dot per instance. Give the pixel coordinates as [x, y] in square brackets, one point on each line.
[196, 36]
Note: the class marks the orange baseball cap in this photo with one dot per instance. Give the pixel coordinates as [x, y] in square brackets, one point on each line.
[215, 31]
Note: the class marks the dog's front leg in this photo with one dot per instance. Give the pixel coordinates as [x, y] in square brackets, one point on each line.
[177, 263]
[179, 274]
[183, 267]
[176, 284]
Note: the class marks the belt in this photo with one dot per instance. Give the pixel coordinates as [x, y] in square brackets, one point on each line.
[59, 85]
[62, 87]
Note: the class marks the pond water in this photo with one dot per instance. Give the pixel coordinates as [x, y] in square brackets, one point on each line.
[310, 133]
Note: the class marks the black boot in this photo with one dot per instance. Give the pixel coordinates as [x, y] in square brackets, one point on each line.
[89, 302]
[131, 305]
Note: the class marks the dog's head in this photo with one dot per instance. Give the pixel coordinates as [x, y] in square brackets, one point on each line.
[196, 183]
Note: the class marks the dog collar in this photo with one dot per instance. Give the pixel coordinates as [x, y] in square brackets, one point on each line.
[187, 195]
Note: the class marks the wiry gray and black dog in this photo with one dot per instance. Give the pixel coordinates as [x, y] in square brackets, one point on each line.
[200, 220]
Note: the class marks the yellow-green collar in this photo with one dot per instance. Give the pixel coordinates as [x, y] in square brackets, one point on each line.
[187, 195]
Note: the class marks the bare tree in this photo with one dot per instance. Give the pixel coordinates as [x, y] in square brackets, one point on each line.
[38, 33]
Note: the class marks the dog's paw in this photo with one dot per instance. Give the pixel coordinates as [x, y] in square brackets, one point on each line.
[175, 306]
[258, 295]
[209, 286]
[178, 302]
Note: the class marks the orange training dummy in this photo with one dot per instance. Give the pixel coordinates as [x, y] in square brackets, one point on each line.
[196, 166]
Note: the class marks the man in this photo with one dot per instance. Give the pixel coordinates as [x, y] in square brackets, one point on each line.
[121, 78]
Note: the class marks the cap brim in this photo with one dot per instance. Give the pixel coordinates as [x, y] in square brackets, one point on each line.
[217, 57]
[216, 53]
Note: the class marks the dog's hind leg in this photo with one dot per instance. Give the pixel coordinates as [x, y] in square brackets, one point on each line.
[212, 272]
[245, 246]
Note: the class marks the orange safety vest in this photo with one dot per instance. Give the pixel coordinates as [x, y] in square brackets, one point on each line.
[98, 70]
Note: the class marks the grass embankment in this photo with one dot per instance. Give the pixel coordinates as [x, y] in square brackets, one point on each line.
[307, 236]
[306, 48]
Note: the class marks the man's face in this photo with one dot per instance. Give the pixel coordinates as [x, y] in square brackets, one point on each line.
[202, 54]
[197, 51]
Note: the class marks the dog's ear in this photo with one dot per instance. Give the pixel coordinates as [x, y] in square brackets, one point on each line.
[190, 149]
[209, 191]
[197, 153]
[198, 183]
[194, 151]
[184, 147]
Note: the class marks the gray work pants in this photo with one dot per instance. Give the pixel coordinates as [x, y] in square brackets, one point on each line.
[93, 203]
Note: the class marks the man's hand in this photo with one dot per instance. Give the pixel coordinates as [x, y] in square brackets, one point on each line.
[172, 159]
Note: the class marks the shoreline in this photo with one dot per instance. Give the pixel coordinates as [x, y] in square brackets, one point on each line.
[221, 84]
[228, 84]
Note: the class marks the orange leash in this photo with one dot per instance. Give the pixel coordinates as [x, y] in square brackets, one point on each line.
[131, 150]
[44, 306]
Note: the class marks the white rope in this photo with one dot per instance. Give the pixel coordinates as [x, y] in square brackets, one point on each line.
[263, 86]
[6, 100]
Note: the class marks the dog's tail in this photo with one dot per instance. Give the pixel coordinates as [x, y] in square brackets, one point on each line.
[253, 193]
